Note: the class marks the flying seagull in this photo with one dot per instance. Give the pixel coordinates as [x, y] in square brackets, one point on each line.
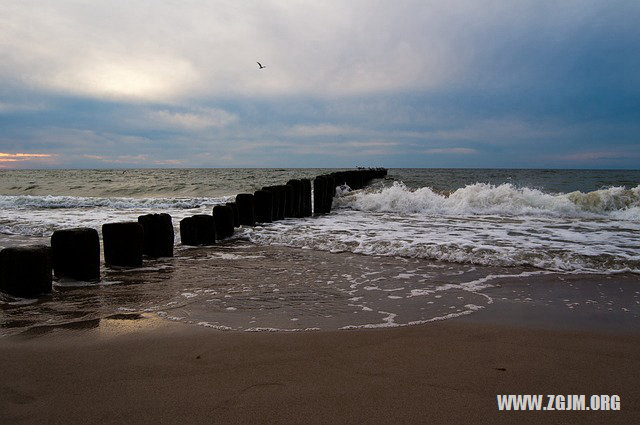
[260, 65]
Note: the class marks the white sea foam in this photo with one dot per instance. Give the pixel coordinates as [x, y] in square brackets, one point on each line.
[388, 321]
[267, 329]
[503, 200]
[228, 256]
[214, 326]
[593, 232]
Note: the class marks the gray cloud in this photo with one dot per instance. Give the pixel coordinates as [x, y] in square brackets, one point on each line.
[193, 119]
[154, 51]
[176, 84]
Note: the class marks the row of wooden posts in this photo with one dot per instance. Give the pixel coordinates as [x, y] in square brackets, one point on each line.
[75, 253]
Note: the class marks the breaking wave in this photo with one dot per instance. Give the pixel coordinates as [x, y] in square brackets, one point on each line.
[504, 200]
[495, 225]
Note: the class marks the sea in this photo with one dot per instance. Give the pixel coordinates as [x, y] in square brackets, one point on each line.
[416, 246]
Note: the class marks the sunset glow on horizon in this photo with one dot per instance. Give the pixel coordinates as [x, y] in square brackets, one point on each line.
[7, 158]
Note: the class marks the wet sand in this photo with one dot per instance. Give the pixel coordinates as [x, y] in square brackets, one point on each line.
[538, 334]
[446, 372]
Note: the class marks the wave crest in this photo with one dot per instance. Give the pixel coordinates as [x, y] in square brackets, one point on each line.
[504, 199]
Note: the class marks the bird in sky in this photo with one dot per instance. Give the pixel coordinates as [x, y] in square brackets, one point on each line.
[260, 65]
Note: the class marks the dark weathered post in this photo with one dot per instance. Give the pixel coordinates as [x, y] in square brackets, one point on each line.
[76, 253]
[329, 194]
[264, 206]
[306, 198]
[295, 206]
[275, 201]
[123, 244]
[246, 209]
[236, 213]
[26, 271]
[158, 235]
[319, 194]
[198, 230]
[223, 219]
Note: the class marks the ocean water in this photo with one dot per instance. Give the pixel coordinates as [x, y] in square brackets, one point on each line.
[479, 223]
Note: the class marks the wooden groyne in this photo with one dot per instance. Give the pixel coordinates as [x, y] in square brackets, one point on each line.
[75, 253]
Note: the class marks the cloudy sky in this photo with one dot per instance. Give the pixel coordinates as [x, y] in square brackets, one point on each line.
[398, 83]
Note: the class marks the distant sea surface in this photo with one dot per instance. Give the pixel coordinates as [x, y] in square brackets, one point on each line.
[558, 220]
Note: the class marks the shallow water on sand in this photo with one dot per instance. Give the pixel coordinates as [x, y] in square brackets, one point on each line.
[240, 286]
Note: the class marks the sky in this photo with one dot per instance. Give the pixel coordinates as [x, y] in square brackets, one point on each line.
[397, 83]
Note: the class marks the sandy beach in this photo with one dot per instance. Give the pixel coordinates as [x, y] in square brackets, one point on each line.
[148, 370]
[560, 334]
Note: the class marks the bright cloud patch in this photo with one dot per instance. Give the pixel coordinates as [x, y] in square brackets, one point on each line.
[122, 78]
